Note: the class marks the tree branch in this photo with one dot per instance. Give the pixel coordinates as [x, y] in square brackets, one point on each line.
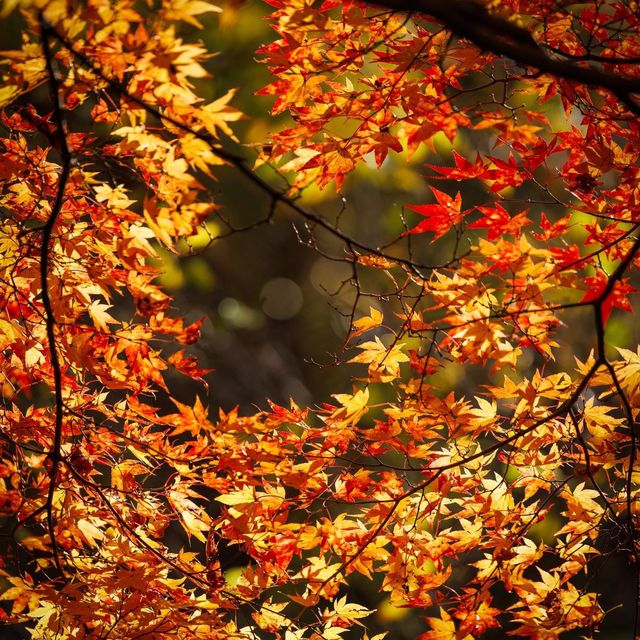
[60, 140]
[276, 195]
[495, 34]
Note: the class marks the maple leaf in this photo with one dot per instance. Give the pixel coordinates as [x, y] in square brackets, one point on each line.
[550, 230]
[116, 198]
[486, 411]
[384, 362]
[628, 371]
[567, 257]
[463, 170]
[443, 628]
[498, 221]
[99, 315]
[187, 365]
[244, 496]
[187, 9]
[360, 326]
[441, 217]
[194, 519]
[616, 298]
[353, 406]
[346, 612]
[8, 93]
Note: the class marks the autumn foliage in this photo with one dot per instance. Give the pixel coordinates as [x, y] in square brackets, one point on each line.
[524, 248]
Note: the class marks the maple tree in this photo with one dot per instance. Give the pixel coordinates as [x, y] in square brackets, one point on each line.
[433, 494]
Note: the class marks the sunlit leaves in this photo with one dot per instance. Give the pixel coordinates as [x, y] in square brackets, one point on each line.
[384, 362]
[443, 628]
[628, 372]
[473, 470]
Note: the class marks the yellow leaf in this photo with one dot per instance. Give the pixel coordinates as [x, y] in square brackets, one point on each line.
[244, 496]
[354, 406]
[384, 362]
[90, 532]
[215, 115]
[98, 312]
[443, 628]
[373, 320]
[115, 198]
[194, 519]
[8, 93]
[185, 10]
[35, 543]
[350, 610]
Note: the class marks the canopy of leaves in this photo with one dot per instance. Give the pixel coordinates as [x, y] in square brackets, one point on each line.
[432, 494]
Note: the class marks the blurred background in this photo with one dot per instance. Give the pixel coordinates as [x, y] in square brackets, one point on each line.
[277, 309]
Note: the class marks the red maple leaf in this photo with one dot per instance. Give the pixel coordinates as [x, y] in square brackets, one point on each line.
[616, 298]
[440, 217]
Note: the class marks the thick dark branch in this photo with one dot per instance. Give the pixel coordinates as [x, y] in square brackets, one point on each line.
[620, 270]
[60, 140]
[598, 303]
[495, 34]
